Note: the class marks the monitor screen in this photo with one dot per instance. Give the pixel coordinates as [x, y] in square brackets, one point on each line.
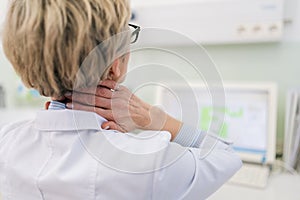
[245, 120]
[245, 117]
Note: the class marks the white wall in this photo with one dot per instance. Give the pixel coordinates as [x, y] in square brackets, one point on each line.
[6, 72]
[7, 78]
[3, 8]
[292, 29]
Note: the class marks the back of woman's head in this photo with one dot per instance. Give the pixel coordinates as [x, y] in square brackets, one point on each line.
[47, 40]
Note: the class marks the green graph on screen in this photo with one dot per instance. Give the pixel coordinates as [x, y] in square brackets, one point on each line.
[207, 118]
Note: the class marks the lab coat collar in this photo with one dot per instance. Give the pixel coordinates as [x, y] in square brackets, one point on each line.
[68, 120]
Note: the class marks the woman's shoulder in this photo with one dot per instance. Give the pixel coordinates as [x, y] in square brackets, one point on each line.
[5, 129]
[142, 143]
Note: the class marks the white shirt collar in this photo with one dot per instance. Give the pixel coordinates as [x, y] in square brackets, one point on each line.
[68, 120]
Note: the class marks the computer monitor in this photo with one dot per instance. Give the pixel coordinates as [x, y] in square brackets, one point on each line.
[249, 115]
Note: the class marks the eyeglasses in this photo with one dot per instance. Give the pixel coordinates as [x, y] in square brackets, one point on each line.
[135, 32]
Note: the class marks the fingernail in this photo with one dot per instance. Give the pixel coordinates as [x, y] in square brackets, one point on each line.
[69, 105]
[106, 128]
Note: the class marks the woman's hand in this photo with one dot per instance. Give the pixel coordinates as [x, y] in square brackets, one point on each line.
[123, 110]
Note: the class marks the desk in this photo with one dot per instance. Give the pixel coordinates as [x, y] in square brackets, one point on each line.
[280, 187]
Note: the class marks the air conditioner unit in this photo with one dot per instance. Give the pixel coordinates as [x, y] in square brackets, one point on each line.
[214, 21]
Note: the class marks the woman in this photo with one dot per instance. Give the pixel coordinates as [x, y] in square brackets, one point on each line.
[64, 154]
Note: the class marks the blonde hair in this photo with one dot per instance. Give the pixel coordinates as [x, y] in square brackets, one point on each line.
[47, 40]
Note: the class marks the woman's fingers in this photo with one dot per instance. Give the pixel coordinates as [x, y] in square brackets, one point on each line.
[107, 114]
[91, 100]
[109, 84]
[96, 91]
[104, 92]
[110, 125]
[104, 89]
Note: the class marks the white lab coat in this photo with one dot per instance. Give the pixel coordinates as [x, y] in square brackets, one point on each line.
[66, 155]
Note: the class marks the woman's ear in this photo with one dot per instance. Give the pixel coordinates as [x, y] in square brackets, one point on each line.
[114, 71]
